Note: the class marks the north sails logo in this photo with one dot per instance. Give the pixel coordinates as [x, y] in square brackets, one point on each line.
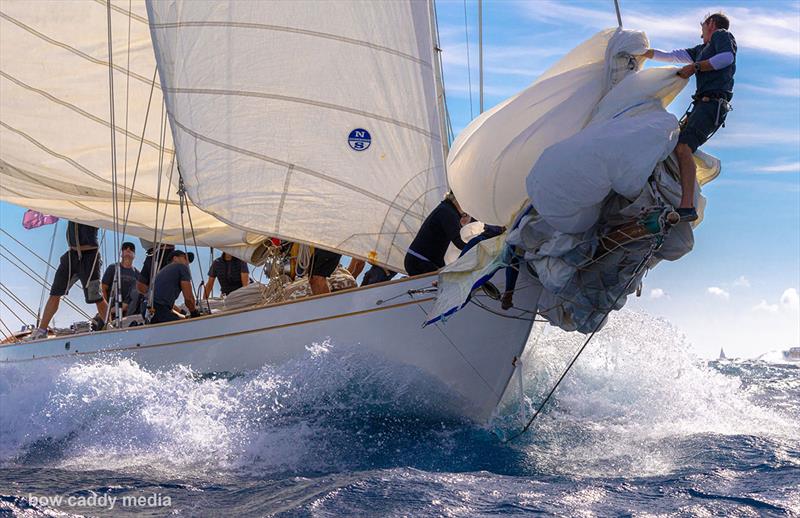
[359, 139]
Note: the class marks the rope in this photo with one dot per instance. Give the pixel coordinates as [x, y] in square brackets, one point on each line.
[536, 414]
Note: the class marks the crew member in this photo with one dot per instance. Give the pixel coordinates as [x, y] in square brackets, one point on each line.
[377, 274]
[232, 272]
[440, 228]
[82, 261]
[128, 277]
[714, 64]
[163, 254]
[173, 280]
[323, 264]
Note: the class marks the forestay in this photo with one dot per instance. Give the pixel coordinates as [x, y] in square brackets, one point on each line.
[55, 150]
[312, 121]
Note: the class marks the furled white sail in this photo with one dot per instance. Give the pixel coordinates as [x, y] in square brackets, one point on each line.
[55, 143]
[313, 121]
[491, 158]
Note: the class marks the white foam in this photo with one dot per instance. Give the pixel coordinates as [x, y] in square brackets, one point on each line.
[634, 394]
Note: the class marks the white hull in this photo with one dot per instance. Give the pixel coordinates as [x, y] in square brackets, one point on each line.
[471, 353]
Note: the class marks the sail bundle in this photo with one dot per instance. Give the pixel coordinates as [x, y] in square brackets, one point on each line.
[588, 146]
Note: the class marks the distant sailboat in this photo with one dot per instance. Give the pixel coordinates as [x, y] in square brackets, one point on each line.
[722, 354]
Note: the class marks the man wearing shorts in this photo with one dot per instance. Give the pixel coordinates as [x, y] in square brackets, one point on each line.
[714, 64]
[323, 264]
[81, 262]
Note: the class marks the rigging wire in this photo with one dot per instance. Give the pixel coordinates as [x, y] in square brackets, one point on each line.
[577, 355]
[46, 273]
[127, 106]
[19, 302]
[194, 240]
[480, 52]
[156, 250]
[10, 334]
[139, 152]
[469, 62]
[37, 278]
[114, 179]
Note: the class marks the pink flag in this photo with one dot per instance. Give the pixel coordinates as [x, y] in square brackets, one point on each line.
[33, 219]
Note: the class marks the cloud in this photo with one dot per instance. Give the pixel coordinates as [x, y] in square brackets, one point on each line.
[748, 135]
[764, 306]
[790, 299]
[657, 293]
[789, 302]
[776, 86]
[772, 30]
[742, 282]
[792, 167]
[719, 292]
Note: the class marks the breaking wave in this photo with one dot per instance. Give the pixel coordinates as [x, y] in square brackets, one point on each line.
[637, 403]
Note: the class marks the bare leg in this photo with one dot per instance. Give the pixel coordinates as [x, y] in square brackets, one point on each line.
[49, 311]
[688, 174]
[319, 285]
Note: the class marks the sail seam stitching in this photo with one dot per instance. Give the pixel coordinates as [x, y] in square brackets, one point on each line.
[73, 50]
[294, 30]
[276, 161]
[300, 100]
[80, 111]
[65, 158]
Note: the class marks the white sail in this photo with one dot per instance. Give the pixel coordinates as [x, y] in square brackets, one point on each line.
[55, 143]
[313, 121]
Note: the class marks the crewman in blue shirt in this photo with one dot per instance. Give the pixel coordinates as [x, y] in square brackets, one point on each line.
[713, 63]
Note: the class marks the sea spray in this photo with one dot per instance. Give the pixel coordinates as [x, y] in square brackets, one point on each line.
[634, 393]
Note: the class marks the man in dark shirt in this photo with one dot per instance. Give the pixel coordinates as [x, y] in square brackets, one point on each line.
[231, 271]
[173, 280]
[81, 262]
[162, 253]
[128, 276]
[714, 64]
[440, 228]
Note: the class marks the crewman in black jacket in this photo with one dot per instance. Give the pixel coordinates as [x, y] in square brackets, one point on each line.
[440, 228]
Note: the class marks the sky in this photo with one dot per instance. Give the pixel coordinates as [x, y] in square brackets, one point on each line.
[738, 288]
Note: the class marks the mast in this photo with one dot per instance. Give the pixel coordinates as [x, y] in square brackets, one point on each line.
[619, 16]
[439, 82]
[480, 51]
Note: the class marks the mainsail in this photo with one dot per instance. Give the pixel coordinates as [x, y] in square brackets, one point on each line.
[55, 151]
[313, 121]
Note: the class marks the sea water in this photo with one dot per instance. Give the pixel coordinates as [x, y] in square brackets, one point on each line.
[639, 427]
